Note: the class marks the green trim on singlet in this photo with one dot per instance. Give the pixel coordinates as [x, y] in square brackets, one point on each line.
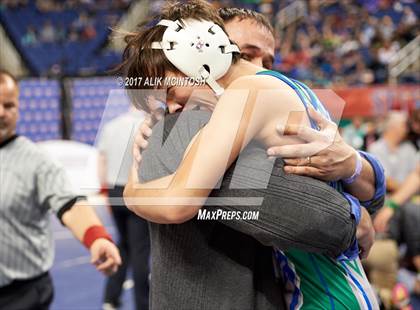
[333, 284]
[353, 265]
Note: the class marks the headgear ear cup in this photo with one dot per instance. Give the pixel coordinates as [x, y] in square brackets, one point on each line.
[199, 49]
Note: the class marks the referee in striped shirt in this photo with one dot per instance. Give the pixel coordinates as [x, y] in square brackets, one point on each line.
[31, 187]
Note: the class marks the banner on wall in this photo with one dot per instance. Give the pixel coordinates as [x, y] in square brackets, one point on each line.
[377, 100]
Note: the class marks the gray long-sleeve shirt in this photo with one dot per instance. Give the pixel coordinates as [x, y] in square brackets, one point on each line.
[228, 264]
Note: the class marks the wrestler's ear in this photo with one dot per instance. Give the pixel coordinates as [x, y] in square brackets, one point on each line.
[174, 107]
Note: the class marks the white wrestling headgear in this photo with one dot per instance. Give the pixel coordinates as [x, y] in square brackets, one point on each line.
[199, 49]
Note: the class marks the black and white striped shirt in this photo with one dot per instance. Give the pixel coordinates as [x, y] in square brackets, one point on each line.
[32, 185]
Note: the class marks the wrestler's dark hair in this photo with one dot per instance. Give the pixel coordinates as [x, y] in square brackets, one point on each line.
[141, 61]
[229, 14]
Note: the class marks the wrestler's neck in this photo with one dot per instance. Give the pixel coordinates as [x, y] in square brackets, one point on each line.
[241, 68]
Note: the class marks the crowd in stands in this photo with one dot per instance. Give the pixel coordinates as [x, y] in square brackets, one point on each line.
[58, 27]
[338, 42]
[81, 29]
[341, 42]
[348, 42]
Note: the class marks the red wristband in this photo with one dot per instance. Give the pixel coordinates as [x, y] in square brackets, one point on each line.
[104, 190]
[93, 233]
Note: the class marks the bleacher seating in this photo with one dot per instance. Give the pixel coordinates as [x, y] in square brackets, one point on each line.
[95, 102]
[59, 57]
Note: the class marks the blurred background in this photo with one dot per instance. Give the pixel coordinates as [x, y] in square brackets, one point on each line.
[367, 51]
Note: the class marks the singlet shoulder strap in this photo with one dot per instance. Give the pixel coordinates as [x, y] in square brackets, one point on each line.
[306, 95]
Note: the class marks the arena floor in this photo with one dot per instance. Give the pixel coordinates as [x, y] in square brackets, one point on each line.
[77, 284]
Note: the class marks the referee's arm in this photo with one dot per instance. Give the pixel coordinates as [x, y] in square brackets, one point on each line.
[55, 193]
[80, 219]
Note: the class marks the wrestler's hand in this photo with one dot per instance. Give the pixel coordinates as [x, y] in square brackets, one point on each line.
[331, 159]
[105, 256]
[381, 221]
[140, 140]
[365, 234]
[140, 144]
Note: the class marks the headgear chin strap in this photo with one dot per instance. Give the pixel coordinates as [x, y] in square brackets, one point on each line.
[199, 49]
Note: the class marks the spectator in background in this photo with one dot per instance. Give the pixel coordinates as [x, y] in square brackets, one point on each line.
[71, 4]
[47, 33]
[89, 32]
[408, 189]
[363, 75]
[354, 133]
[73, 35]
[368, 30]
[397, 156]
[81, 23]
[47, 6]
[115, 144]
[354, 70]
[84, 26]
[386, 28]
[379, 69]
[409, 18]
[349, 44]
[387, 51]
[414, 129]
[30, 37]
[15, 4]
[266, 8]
[61, 33]
[371, 134]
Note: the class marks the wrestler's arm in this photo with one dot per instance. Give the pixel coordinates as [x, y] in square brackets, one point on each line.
[332, 159]
[236, 120]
